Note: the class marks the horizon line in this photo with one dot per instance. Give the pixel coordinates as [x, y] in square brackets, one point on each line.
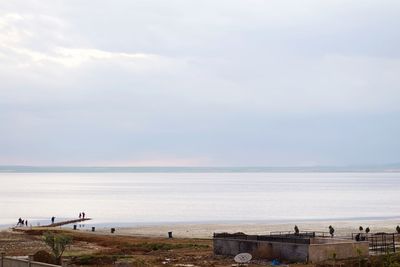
[394, 167]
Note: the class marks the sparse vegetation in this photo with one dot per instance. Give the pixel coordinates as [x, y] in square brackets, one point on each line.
[94, 259]
[360, 258]
[391, 260]
[334, 256]
[98, 260]
[147, 247]
[57, 244]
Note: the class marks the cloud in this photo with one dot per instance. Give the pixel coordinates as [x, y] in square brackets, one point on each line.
[195, 80]
[18, 36]
[74, 57]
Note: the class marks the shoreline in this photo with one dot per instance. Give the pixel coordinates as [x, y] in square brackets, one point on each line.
[206, 229]
[100, 222]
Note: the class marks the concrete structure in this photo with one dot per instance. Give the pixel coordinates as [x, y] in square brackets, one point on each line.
[290, 248]
[322, 249]
[14, 262]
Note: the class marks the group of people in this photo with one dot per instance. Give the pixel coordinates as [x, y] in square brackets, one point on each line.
[22, 222]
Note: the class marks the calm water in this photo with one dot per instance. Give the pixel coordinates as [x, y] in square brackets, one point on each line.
[199, 197]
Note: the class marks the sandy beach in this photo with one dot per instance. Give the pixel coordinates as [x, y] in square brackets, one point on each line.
[342, 228]
[206, 230]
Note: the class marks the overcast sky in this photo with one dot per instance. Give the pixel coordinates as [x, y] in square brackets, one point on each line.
[199, 83]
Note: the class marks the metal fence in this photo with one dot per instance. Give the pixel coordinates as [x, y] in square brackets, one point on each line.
[308, 234]
[286, 237]
[379, 243]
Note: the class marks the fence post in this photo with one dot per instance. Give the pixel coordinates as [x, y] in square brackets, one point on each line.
[1, 258]
[394, 244]
[30, 259]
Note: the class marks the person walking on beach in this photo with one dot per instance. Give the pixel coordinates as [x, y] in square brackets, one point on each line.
[52, 219]
[26, 223]
[19, 221]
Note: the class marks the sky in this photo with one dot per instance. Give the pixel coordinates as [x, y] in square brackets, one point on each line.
[199, 83]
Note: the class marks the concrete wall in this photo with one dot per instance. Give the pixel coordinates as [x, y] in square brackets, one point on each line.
[344, 250]
[319, 250]
[8, 262]
[12, 262]
[262, 249]
[322, 240]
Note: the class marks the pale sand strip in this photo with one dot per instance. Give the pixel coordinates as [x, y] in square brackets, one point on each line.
[342, 228]
[206, 230]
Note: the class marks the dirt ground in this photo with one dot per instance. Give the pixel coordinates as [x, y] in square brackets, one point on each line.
[111, 250]
[140, 247]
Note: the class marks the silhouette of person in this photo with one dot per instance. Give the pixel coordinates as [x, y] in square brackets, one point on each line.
[331, 230]
[26, 222]
[52, 219]
[296, 230]
[83, 215]
[80, 215]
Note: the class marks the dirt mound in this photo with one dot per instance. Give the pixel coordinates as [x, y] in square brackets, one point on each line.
[43, 256]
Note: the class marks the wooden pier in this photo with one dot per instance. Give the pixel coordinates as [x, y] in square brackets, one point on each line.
[65, 222]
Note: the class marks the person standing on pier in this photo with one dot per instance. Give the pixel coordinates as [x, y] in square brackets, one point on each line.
[80, 215]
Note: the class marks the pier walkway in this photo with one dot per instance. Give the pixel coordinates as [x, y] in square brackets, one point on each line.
[65, 222]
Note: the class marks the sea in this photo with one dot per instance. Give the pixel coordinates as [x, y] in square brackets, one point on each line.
[146, 197]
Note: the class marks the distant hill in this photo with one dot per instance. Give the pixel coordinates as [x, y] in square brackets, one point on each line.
[72, 169]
